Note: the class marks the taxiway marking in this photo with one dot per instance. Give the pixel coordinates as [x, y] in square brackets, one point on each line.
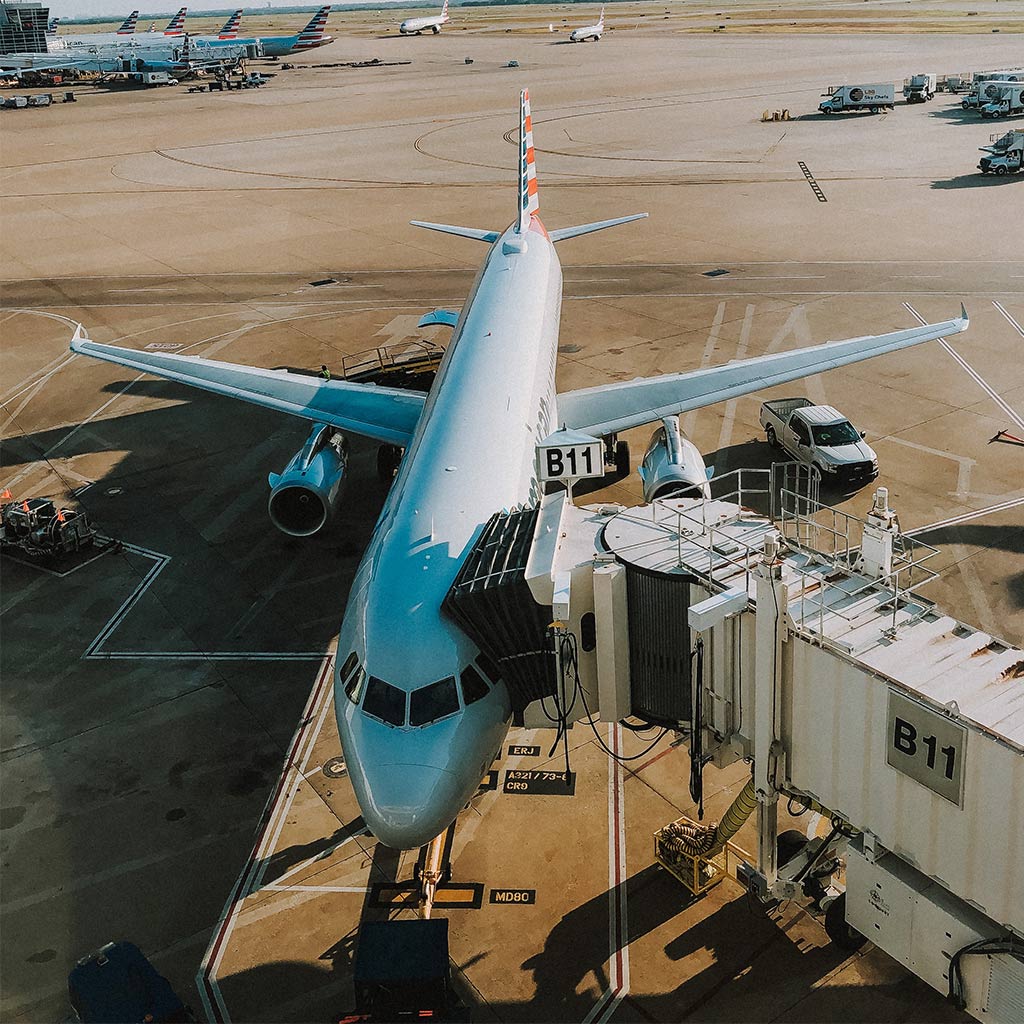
[1002, 310]
[965, 517]
[971, 372]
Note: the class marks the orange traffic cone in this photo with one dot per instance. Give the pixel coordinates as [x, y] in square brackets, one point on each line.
[6, 496]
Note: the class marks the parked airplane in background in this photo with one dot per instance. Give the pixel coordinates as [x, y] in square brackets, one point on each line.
[55, 43]
[581, 35]
[414, 26]
[421, 711]
[176, 26]
[309, 38]
[229, 30]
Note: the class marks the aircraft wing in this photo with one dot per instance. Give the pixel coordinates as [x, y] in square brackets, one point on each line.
[608, 408]
[384, 414]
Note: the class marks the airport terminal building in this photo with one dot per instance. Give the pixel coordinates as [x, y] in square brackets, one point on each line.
[23, 27]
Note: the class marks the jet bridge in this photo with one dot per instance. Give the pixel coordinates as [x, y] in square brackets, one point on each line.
[787, 633]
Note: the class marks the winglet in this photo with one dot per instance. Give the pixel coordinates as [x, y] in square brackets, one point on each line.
[77, 338]
[964, 316]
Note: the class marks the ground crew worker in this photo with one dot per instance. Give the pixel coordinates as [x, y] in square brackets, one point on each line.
[324, 372]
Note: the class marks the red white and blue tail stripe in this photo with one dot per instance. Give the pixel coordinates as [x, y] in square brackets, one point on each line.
[128, 25]
[313, 34]
[176, 26]
[444, 11]
[529, 203]
[231, 26]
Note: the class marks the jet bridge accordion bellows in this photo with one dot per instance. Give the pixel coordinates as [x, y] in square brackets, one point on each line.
[491, 602]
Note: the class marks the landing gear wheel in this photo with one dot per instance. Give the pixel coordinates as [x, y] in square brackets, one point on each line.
[622, 458]
[769, 433]
[388, 458]
[838, 930]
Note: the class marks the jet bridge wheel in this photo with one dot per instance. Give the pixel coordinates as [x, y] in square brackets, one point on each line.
[838, 930]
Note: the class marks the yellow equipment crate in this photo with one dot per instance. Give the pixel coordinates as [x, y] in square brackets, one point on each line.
[697, 872]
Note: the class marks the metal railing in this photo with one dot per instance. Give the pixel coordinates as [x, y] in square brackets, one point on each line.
[405, 354]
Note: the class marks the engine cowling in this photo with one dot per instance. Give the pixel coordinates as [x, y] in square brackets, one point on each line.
[673, 467]
[305, 496]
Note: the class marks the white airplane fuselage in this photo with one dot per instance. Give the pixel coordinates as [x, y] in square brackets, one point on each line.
[414, 26]
[581, 35]
[472, 454]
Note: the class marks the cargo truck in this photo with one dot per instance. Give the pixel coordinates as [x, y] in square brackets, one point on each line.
[1005, 156]
[920, 88]
[979, 93]
[1005, 99]
[819, 436]
[858, 97]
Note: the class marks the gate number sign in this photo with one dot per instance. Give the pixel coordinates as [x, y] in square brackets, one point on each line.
[567, 455]
[927, 746]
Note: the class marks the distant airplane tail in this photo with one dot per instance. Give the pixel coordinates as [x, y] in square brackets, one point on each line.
[128, 25]
[230, 27]
[314, 31]
[529, 202]
[176, 26]
[600, 21]
[52, 27]
[444, 10]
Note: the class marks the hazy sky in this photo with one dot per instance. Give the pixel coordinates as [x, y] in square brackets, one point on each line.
[118, 9]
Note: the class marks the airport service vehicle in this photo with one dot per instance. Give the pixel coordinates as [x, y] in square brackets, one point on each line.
[118, 982]
[920, 88]
[414, 26]
[422, 711]
[956, 83]
[1005, 156]
[309, 38]
[581, 35]
[820, 436]
[1005, 98]
[673, 466]
[979, 93]
[840, 98]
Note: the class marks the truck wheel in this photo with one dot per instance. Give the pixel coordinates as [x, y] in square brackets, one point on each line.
[622, 458]
[769, 433]
[838, 930]
[965, 105]
[1000, 171]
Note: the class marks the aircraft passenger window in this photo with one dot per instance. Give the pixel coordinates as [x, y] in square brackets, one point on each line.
[429, 703]
[490, 669]
[354, 687]
[385, 702]
[473, 686]
[350, 663]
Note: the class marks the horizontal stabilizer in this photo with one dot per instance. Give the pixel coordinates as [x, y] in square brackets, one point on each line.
[451, 229]
[445, 317]
[585, 229]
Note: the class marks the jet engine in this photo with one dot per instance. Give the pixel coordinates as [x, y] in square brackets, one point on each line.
[672, 466]
[306, 494]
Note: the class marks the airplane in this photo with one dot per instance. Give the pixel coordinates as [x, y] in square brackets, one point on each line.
[414, 26]
[581, 35]
[55, 43]
[229, 30]
[309, 38]
[176, 26]
[421, 712]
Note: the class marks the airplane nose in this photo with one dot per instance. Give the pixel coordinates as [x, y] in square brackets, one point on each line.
[410, 804]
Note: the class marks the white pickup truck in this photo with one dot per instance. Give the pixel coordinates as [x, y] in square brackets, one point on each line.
[819, 436]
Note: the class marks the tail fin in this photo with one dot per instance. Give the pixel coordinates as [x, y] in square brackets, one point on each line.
[316, 26]
[230, 27]
[177, 24]
[52, 27]
[128, 25]
[444, 9]
[529, 203]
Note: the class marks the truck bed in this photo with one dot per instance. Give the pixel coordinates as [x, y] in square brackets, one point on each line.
[783, 407]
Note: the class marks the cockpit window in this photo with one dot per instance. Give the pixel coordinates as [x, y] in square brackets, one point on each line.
[429, 703]
[354, 687]
[473, 686]
[490, 669]
[385, 702]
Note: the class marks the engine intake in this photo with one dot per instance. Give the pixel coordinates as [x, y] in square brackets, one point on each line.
[305, 496]
[673, 466]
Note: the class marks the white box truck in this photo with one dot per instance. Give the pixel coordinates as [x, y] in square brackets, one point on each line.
[1004, 156]
[920, 88]
[978, 95]
[858, 97]
[1005, 98]
[820, 436]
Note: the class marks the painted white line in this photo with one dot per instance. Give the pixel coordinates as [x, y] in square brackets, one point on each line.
[964, 464]
[971, 372]
[966, 517]
[314, 888]
[309, 861]
[1002, 309]
[618, 930]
